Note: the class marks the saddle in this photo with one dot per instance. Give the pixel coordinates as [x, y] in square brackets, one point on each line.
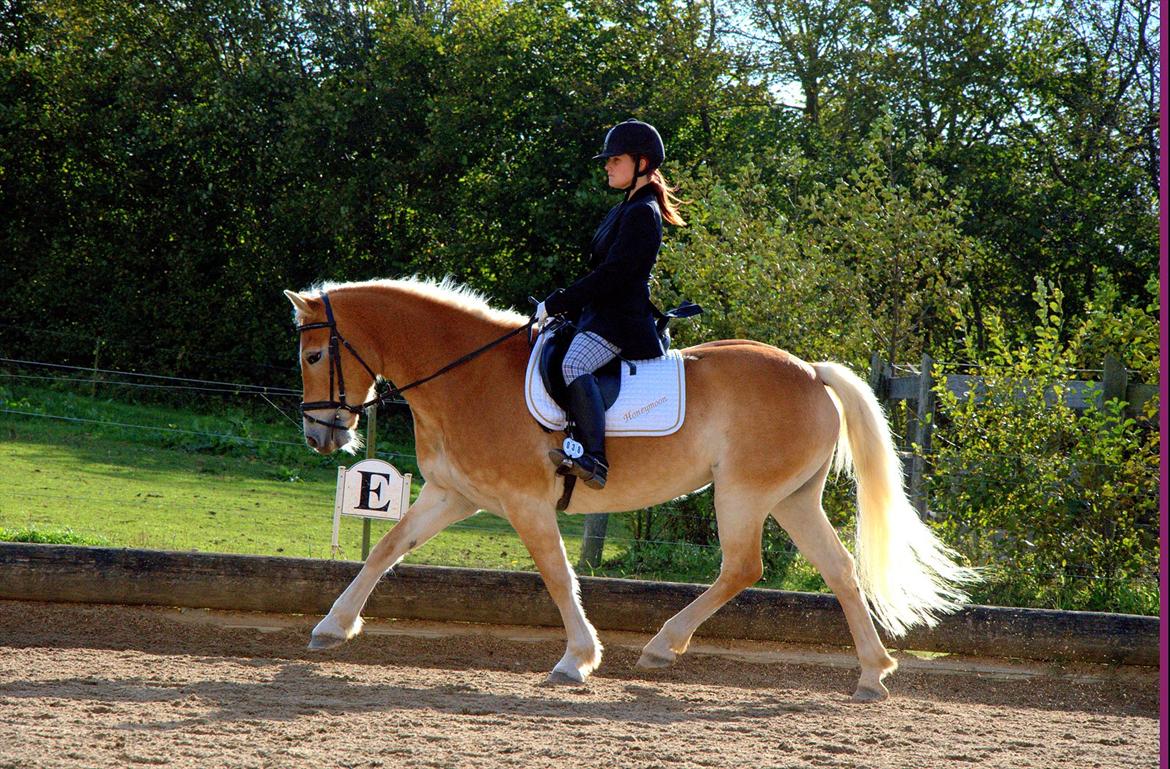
[653, 402]
[642, 398]
[558, 336]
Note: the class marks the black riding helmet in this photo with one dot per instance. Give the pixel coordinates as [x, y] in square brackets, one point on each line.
[638, 139]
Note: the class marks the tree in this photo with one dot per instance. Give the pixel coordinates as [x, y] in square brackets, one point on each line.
[909, 263]
[865, 264]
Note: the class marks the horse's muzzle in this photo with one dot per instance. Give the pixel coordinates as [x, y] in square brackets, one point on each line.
[326, 438]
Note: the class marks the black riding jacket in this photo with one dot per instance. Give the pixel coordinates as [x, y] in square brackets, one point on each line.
[613, 300]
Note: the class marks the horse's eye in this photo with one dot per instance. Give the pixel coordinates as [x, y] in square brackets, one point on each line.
[313, 357]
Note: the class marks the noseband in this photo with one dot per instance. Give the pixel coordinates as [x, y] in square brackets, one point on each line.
[386, 393]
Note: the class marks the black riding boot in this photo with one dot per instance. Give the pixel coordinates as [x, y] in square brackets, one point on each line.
[588, 411]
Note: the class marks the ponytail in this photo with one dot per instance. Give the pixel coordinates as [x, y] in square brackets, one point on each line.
[667, 202]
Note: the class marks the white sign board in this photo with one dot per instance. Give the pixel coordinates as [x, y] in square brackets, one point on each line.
[372, 488]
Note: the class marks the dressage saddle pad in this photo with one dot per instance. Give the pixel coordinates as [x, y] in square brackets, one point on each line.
[652, 402]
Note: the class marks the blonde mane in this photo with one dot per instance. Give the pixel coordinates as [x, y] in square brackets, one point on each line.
[448, 291]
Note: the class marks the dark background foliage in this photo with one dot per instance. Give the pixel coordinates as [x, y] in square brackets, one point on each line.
[166, 168]
[897, 176]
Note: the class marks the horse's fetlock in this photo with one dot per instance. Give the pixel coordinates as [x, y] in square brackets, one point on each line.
[588, 654]
[877, 667]
[666, 644]
[577, 664]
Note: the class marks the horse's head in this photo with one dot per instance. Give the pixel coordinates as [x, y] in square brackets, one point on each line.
[334, 388]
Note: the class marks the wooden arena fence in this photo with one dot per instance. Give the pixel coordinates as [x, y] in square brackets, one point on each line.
[58, 573]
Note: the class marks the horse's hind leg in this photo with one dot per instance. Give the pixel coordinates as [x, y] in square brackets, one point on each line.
[740, 517]
[802, 516]
[434, 510]
[538, 531]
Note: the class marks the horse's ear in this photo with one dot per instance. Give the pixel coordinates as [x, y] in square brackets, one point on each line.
[299, 302]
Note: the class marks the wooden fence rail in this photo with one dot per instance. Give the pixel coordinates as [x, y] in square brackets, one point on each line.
[1078, 394]
[916, 444]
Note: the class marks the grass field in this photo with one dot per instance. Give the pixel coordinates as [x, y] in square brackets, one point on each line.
[79, 467]
[187, 482]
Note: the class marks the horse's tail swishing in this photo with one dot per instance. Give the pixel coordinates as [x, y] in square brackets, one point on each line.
[908, 574]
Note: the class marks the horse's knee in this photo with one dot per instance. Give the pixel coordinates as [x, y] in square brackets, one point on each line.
[744, 572]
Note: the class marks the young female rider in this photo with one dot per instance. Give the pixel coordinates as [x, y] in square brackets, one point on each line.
[611, 305]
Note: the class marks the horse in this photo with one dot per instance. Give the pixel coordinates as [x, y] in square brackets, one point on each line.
[764, 427]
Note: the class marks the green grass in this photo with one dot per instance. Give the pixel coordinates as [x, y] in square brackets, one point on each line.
[51, 537]
[234, 480]
[684, 562]
[202, 489]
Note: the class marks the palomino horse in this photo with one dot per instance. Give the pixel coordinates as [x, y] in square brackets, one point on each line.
[761, 425]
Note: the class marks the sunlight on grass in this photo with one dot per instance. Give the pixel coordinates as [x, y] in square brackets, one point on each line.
[207, 489]
[127, 487]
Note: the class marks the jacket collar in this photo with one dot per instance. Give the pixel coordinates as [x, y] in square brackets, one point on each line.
[641, 192]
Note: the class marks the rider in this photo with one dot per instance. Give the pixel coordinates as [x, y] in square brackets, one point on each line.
[611, 305]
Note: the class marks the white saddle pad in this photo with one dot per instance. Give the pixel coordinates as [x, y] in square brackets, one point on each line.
[651, 403]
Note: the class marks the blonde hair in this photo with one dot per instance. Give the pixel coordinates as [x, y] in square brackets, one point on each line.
[667, 202]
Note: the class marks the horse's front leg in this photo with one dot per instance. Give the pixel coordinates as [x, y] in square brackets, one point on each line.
[537, 527]
[435, 509]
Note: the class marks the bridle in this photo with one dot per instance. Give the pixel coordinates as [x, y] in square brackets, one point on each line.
[385, 392]
[335, 372]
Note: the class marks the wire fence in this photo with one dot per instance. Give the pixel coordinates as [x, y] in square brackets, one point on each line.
[92, 345]
[267, 493]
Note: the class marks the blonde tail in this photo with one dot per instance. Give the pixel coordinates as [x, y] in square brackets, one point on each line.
[907, 573]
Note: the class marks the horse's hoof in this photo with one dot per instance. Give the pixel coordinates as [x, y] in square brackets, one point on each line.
[868, 694]
[654, 661]
[557, 678]
[322, 642]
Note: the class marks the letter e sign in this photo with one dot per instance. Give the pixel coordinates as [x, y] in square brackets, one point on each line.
[373, 488]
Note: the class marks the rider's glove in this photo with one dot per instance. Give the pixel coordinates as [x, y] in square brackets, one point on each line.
[541, 315]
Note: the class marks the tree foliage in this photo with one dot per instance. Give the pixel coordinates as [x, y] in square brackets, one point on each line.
[865, 264]
[169, 167]
[1060, 506]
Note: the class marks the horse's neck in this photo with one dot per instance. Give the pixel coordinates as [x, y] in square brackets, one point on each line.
[416, 335]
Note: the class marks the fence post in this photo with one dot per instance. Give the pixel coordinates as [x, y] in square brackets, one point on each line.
[923, 425]
[593, 540]
[97, 351]
[371, 441]
[876, 375]
[1114, 381]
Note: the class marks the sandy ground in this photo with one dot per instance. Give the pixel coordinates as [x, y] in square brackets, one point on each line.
[109, 686]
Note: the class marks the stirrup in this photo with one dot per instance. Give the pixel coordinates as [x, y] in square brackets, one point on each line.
[594, 478]
[562, 461]
[598, 476]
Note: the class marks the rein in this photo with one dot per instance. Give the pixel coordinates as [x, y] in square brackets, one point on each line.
[386, 395]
